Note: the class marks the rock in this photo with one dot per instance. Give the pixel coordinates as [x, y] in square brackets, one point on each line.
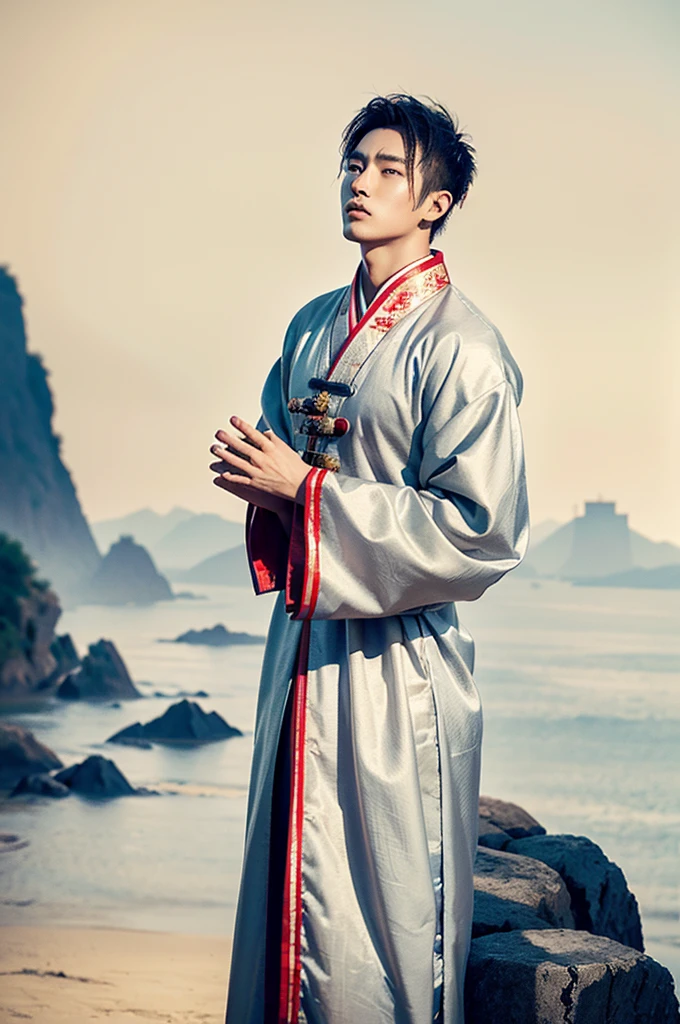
[9, 842]
[132, 736]
[513, 892]
[40, 784]
[96, 776]
[600, 898]
[40, 509]
[183, 723]
[102, 676]
[548, 976]
[217, 636]
[501, 821]
[128, 575]
[22, 754]
[65, 654]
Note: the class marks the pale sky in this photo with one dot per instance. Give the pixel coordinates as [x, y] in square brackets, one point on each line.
[168, 200]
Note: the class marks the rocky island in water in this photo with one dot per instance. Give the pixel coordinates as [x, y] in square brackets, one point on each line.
[216, 636]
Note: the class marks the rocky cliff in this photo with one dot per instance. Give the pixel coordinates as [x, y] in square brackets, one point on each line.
[38, 502]
[31, 657]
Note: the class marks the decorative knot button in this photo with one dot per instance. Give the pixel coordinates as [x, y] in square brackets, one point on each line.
[325, 426]
[322, 460]
[316, 405]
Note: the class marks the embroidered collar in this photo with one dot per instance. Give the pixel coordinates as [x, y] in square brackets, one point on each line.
[399, 295]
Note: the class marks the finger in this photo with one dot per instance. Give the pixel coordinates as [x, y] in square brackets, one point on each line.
[229, 480]
[230, 486]
[254, 435]
[239, 444]
[233, 460]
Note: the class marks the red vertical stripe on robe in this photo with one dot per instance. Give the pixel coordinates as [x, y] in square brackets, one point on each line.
[289, 993]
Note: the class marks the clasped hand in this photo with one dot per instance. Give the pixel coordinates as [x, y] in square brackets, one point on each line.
[258, 467]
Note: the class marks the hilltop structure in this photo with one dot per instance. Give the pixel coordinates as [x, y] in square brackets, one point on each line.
[600, 543]
[38, 502]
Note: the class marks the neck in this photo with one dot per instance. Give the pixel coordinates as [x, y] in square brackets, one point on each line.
[383, 259]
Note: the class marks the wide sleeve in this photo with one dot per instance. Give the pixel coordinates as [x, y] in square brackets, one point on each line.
[267, 541]
[362, 549]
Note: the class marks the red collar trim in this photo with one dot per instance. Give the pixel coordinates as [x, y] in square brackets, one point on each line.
[403, 303]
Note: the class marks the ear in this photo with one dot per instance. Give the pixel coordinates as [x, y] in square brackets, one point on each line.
[434, 207]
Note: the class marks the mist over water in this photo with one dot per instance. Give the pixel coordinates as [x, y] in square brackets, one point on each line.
[581, 695]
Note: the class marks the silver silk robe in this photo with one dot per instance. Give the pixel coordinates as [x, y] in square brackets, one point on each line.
[367, 674]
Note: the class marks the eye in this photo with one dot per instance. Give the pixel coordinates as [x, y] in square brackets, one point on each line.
[354, 167]
[391, 170]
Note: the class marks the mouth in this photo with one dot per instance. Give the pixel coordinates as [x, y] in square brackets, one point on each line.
[356, 209]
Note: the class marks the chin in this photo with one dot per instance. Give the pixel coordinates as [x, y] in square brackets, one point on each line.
[360, 231]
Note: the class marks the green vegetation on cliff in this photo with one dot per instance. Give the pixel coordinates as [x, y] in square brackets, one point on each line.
[17, 580]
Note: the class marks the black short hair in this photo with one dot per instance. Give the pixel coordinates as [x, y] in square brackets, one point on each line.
[447, 158]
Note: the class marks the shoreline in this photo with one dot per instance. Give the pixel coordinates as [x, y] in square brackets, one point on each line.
[63, 974]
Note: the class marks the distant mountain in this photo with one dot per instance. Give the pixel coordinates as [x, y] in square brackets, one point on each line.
[127, 575]
[38, 502]
[541, 531]
[177, 540]
[229, 568]
[195, 539]
[145, 525]
[550, 556]
[663, 577]
[653, 553]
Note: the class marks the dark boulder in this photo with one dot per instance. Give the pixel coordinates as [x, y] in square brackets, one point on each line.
[97, 777]
[562, 975]
[22, 754]
[65, 654]
[40, 784]
[182, 723]
[600, 898]
[513, 892]
[102, 676]
[9, 842]
[500, 821]
[132, 736]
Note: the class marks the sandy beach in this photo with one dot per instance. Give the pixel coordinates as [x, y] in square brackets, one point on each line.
[76, 975]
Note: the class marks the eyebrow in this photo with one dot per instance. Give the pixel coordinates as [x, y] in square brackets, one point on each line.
[383, 157]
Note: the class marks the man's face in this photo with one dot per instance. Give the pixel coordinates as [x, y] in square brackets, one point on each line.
[375, 179]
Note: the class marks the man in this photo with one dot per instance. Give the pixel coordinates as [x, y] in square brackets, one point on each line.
[356, 894]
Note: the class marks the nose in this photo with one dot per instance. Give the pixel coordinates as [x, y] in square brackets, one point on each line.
[358, 184]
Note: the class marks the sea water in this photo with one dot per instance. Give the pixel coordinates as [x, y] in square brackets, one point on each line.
[580, 689]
